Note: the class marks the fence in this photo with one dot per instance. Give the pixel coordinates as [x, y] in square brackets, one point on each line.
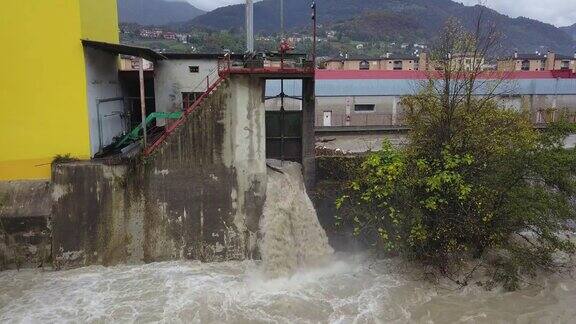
[368, 119]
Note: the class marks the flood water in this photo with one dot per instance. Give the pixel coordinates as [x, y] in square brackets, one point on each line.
[300, 280]
[348, 289]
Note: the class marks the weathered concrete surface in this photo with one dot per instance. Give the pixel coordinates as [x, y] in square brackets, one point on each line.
[199, 196]
[24, 224]
[90, 214]
[25, 199]
[205, 186]
[173, 77]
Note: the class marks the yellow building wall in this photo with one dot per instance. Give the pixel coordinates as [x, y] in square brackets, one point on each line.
[43, 105]
[100, 20]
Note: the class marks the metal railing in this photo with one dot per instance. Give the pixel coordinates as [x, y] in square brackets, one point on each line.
[249, 65]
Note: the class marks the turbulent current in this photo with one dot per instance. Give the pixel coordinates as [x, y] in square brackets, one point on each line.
[292, 237]
[299, 280]
[349, 289]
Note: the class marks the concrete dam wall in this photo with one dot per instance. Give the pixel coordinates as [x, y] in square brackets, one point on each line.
[199, 196]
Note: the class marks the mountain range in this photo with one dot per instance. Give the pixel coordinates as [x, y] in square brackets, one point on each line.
[370, 20]
[571, 30]
[156, 12]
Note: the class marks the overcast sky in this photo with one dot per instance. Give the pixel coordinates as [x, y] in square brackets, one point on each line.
[557, 12]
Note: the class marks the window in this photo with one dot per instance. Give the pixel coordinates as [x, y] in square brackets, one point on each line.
[364, 108]
[188, 98]
[397, 65]
[364, 65]
[194, 69]
[565, 65]
[525, 65]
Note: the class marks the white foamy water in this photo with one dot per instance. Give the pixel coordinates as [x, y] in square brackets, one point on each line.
[292, 237]
[349, 289]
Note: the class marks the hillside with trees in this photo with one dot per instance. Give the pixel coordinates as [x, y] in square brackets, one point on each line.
[410, 20]
[570, 30]
[156, 12]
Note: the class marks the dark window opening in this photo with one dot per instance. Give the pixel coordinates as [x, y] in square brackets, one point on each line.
[188, 98]
[364, 65]
[364, 107]
[194, 69]
[565, 65]
[525, 65]
[397, 65]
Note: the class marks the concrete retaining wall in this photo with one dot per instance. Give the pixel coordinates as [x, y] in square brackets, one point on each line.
[24, 224]
[199, 196]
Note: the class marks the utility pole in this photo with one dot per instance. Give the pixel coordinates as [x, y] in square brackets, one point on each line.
[282, 19]
[143, 101]
[314, 34]
[250, 26]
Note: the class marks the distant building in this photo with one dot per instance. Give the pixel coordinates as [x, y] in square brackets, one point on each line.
[169, 35]
[537, 62]
[417, 62]
[150, 33]
[388, 63]
[347, 98]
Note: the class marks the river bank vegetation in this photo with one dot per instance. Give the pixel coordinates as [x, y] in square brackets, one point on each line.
[477, 187]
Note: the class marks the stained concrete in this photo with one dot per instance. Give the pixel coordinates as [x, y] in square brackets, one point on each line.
[25, 199]
[90, 217]
[199, 196]
[206, 184]
[25, 208]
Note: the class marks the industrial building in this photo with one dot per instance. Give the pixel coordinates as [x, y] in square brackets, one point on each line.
[47, 99]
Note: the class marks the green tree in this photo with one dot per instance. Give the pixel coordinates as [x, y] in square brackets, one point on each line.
[477, 187]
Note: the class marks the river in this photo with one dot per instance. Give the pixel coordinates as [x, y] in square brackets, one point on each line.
[348, 289]
[299, 280]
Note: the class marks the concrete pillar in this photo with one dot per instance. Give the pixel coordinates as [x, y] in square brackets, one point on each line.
[308, 134]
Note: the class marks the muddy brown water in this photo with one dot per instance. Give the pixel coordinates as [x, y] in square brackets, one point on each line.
[348, 289]
[299, 280]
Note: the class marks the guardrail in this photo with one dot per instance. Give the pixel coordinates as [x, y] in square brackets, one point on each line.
[227, 66]
[173, 126]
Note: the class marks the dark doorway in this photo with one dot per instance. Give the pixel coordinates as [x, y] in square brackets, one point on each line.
[284, 135]
[131, 87]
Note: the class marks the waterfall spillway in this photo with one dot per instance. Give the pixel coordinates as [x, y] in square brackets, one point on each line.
[292, 236]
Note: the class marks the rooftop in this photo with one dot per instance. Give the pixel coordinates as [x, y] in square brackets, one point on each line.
[536, 57]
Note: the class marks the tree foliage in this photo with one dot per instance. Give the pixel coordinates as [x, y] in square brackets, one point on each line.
[477, 182]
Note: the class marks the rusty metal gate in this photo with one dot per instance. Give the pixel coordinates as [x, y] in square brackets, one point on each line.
[284, 135]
